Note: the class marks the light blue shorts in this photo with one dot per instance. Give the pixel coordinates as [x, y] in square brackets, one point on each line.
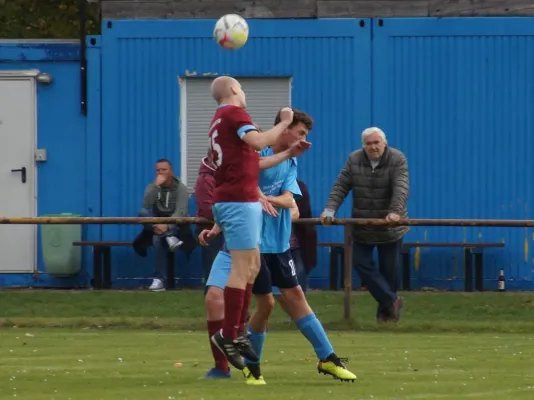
[240, 223]
[220, 271]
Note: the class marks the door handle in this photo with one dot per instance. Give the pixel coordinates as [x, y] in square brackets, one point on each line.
[22, 173]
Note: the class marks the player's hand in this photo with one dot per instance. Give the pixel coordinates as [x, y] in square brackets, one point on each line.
[286, 115]
[160, 228]
[159, 180]
[268, 207]
[206, 235]
[299, 147]
[326, 219]
[392, 217]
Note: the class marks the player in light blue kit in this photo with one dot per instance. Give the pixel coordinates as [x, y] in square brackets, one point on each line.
[279, 186]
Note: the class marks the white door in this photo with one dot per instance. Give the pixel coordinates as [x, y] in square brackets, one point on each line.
[17, 173]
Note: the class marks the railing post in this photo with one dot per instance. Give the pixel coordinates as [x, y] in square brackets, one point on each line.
[347, 271]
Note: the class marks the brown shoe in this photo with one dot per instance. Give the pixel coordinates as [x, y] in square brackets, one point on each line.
[397, 307]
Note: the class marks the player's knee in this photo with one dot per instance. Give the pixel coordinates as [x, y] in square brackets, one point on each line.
[295, 295]
[296, 304]
[255, 268]
[215, 303]
[246, 263]
[265, 305]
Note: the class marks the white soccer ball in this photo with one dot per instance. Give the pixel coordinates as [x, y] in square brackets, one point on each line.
[231, 31]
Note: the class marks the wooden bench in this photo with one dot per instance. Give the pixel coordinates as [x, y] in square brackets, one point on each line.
[102, 263]
[471, 251]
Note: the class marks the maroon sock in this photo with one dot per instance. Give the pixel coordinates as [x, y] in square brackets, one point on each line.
[246, 305]
[220, 360]
[233, 304]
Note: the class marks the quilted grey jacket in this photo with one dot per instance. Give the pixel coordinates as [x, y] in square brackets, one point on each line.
[375, 193]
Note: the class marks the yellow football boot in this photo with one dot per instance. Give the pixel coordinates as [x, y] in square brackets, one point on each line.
[334, 366]
[253, 375]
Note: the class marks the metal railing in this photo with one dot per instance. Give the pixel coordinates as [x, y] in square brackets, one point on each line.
[348, 223]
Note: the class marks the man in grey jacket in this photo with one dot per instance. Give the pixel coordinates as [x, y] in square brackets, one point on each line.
[378, 178]
[167, 196]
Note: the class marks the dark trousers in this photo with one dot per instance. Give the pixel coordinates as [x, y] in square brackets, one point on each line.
[161, 247]
[381, 280]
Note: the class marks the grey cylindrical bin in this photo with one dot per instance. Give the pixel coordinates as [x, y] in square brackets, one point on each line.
[61, 258]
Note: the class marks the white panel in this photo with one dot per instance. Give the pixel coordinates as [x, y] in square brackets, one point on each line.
[265, 96]
[17, 198]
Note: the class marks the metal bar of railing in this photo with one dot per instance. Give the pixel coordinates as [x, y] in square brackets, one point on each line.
[503, 223]
[347, 222]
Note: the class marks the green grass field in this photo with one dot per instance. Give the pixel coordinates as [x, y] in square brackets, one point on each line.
[124, 345]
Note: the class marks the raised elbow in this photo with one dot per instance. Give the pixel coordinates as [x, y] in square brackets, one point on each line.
[254, 140]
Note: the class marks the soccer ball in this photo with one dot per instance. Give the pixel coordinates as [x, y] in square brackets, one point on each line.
[231, 31]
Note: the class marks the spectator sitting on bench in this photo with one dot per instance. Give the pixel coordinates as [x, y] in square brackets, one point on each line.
[166, 197]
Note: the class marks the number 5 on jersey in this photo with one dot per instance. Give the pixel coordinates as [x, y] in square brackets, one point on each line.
[214, 146]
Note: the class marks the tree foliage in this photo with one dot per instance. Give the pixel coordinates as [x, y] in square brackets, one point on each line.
[45, 19]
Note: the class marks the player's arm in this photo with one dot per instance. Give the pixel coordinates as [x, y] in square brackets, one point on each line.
[295, 213]
[250, 134]
[275, 159]
[285, 200]
[261, 140]
[266, 204]
[261, 194]
[290, 189]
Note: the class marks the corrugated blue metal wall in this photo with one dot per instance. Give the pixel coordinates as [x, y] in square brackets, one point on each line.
[456, 95]
[62, 180]
[142, 61]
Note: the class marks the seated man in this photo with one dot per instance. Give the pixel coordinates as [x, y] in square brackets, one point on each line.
[166, 197]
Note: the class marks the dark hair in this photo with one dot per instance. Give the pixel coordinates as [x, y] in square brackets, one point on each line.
[164, 160]
[298, 117]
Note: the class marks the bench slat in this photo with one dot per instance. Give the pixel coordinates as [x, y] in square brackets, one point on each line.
[426, 244]
[101, 244]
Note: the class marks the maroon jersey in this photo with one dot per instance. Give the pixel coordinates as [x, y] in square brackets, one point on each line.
[238, 164]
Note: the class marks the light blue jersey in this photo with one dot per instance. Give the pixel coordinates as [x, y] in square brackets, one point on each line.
[276, 231]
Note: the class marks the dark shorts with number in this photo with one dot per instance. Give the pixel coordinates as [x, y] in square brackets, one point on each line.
[276, 270]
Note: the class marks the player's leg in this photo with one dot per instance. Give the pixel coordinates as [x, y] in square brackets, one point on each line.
[220, 270]
[284, 276]
[257, 325]
[241, 226]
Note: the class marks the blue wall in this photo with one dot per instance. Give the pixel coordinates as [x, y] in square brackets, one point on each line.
[454, 94]
[61, 130]
[143, 60]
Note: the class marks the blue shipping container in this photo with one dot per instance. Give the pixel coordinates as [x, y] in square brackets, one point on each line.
[454, 94]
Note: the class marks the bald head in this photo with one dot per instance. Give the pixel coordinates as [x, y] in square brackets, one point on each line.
[224, 88]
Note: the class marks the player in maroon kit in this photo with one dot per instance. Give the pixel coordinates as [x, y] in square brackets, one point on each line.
[235, 142]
